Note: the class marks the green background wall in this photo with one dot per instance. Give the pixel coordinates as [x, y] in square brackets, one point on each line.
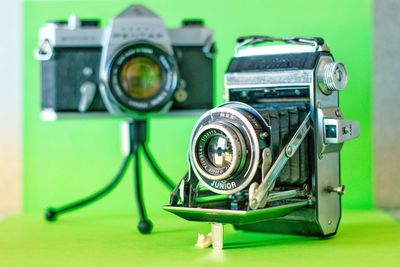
[68, 159]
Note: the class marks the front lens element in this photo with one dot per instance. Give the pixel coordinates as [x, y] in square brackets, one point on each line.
[219, 151]
[140, 77]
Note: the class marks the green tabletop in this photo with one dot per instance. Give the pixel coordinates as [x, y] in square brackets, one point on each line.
[365, 238]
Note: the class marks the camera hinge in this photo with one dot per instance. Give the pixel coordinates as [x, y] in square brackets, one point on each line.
[267, 161]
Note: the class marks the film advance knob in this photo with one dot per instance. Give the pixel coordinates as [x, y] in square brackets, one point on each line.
[335, 76]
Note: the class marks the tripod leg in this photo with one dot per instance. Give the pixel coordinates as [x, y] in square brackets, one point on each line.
[52, 213]
[167, 182]
[145, 225]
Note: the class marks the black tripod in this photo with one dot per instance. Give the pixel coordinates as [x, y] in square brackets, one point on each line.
[137, 140]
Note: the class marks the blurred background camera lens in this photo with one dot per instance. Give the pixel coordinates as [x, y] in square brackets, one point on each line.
[219, 151]
[140, 77]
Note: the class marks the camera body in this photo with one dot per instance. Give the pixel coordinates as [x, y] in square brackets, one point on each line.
[268, 159]
[134, 67]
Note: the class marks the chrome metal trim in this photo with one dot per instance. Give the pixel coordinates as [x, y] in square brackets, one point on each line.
[253, 157]
[345, 130]
[275, 50]
[236, 216]
[288, 45]
[268, 79]
[235, 147]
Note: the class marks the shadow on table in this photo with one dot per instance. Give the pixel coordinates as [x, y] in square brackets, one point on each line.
[241, 240]
[375, 233]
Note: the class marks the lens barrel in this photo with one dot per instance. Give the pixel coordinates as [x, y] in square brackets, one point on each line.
[225, 147]
[142, 77]
[220, 150]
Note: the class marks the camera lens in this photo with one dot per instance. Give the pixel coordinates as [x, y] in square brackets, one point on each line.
[219, 151]
[140, 77]
[225, 147]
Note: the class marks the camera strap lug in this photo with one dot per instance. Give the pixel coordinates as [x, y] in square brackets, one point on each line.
[45, 51]
[209, 49]
[260, 196]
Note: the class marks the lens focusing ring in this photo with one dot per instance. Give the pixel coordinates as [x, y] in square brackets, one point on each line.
[202, 143]
[168, 84]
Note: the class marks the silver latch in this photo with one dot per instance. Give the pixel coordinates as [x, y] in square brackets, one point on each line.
[334, 130]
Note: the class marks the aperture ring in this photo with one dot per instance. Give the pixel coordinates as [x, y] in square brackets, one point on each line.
[168, 84]
[236, 141]
[243, 122]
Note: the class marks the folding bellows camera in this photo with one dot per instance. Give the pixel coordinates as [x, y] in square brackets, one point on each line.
[268, 159]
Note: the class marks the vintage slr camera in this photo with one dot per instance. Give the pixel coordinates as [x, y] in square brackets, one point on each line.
[268, 160]
[133, 67]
